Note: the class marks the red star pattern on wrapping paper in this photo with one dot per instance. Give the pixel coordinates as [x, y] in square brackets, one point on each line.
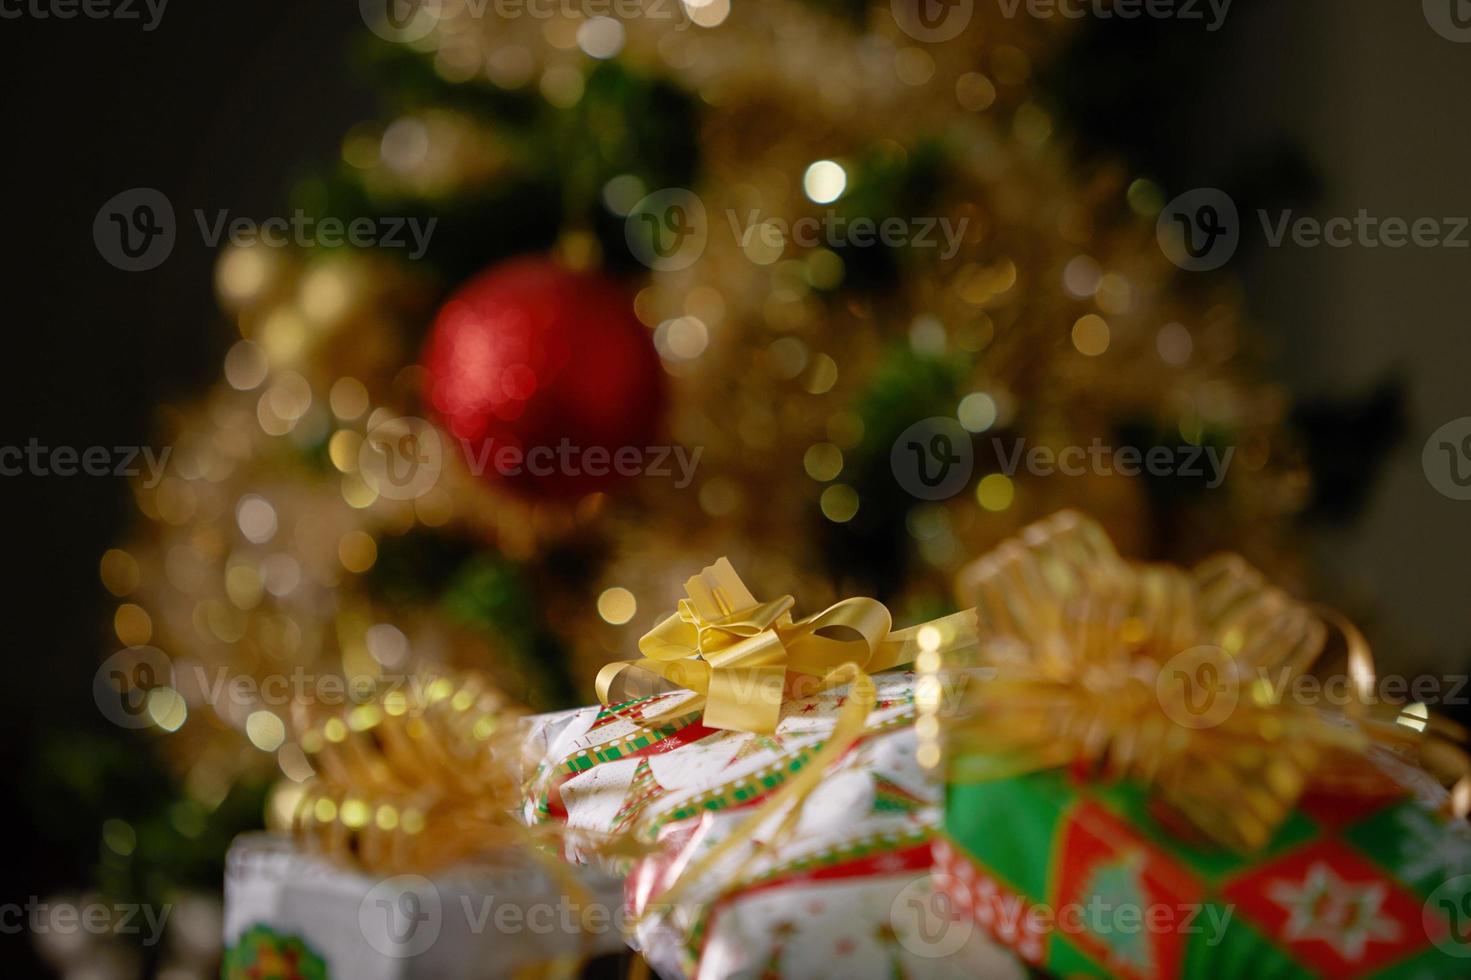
[1333, 910]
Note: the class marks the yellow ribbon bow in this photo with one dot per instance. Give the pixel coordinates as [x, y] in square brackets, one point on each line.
[1176, 679]
[736, 652]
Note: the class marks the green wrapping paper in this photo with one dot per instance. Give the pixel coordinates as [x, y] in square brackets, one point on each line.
[1136, 791]
[1095, 880]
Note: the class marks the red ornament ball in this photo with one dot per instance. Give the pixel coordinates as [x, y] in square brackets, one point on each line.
[541, 375]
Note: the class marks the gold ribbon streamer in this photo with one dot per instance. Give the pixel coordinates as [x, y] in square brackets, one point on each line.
[737, 653]
[1178, 680]
[847, 726]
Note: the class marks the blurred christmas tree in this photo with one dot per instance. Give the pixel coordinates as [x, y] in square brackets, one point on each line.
[789, 255]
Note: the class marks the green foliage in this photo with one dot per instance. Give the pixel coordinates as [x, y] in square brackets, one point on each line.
[496, 596]
[147, 837]
[483, 591]
[906, 388]
[624, 124]
[416, 568]
[557, 161]
[886, 181]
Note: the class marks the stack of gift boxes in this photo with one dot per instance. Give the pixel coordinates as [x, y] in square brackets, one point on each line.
[894, 864]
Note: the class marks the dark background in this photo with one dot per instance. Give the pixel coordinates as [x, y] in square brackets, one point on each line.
[219, 107]
[1322, 105]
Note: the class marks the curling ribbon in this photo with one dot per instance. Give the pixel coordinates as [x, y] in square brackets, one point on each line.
[1177, 680]
[422, 778]
[413, 780]
[736, 653]
[847, 727]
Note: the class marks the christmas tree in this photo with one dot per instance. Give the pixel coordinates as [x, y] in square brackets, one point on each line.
[827, 287]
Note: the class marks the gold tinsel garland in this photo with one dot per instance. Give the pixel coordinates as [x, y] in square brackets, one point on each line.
[769, 394]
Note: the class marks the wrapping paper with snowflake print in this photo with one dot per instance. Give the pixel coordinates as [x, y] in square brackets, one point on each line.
[846, 895]
[1089, 880]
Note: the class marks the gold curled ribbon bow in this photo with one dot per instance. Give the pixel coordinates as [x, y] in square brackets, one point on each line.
[414, 779]
[738, 655]
[736, 652]
[422, 778]
[427, 777]
[1178, 680]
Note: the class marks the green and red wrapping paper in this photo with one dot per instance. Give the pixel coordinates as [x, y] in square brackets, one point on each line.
[1137, 791]
[1086, 879]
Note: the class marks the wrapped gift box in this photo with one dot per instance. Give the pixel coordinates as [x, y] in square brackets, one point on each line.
[846, 894]
[1130, 796]
[290, 914]
[1096, 880]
